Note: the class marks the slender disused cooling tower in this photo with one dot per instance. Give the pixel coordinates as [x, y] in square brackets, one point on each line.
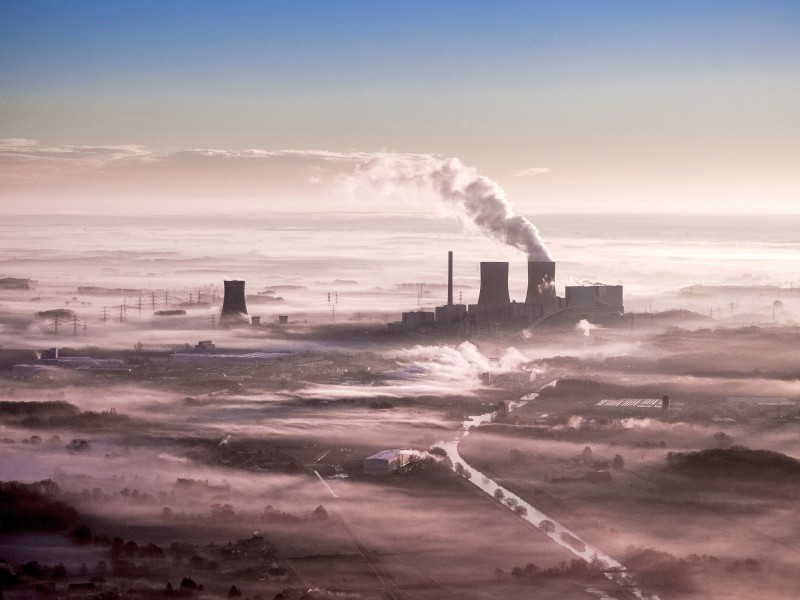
[494, 283]
[233, 304]
[541, 281]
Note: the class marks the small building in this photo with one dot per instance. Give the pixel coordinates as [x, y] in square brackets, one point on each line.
[205, 346]
[387, 461]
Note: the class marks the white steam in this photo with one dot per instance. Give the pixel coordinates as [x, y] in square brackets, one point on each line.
[586, 327]
[474, 198]
[452, 364]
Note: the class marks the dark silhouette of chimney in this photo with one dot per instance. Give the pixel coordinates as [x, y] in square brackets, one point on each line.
[541, 281]
[449, 277]
[494, 283]
[233, 305]
[665, 402]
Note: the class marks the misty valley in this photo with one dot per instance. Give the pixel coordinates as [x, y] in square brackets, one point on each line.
[152, 448]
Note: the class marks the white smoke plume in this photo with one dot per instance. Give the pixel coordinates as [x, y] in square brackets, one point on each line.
[472, 197]
[448, 363]
[586, 327]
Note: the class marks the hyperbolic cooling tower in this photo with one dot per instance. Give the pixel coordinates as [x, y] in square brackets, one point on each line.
[234, 304]
[541, 281]
[494, 283]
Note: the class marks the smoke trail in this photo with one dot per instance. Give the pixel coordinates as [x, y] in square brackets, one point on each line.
[473, 197]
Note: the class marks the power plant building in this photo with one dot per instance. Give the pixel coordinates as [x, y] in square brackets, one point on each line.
[583, 297]
[495, 309]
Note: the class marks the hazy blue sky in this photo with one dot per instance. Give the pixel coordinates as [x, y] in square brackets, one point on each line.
[577, 106]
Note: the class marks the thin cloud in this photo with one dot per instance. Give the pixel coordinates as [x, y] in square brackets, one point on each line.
[23, 160]
[532, 171]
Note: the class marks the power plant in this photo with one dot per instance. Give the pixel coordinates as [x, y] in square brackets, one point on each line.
[495, 309]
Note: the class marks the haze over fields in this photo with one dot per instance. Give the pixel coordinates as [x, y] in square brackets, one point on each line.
[625, 424]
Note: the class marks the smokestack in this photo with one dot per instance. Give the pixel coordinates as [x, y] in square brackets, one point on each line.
[233, 304]
[449, 278]
[541, 281]
[494, 283]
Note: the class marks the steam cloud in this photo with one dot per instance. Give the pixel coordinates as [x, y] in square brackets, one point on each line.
[476, 198]
[586, 327]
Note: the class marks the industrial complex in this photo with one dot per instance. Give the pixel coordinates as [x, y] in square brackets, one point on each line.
[496, 310]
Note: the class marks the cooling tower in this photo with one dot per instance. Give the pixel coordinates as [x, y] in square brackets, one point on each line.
[541, 281]
[494, 283]
[234, 304]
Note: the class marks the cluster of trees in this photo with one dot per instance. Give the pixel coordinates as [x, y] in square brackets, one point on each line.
[510, 502]
[576, 568]
[34, 507]
[10, 577]
[736, 461]
[659, 570]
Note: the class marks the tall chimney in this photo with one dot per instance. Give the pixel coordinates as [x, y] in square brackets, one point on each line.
[449, 278]
[541, 281]
[233, 305]
[494, 283]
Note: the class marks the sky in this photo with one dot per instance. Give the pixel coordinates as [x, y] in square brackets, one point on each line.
[595, 106]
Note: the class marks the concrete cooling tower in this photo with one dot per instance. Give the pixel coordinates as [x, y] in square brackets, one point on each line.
[541, 282]
[233, 305]
[494, 284]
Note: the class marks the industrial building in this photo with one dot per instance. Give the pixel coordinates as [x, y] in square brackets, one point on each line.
[387, 461]
[496, 310]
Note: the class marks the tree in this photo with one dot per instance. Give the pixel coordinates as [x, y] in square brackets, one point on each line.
[320, 514]
[521, 511]
[131, 548]
[510, 502]
[188, 583]
[587, 454]
[502, 409]
[31, 569]
[499, 495]
[82, 534]
[618, 463]
[722, 439]
[547, 526]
